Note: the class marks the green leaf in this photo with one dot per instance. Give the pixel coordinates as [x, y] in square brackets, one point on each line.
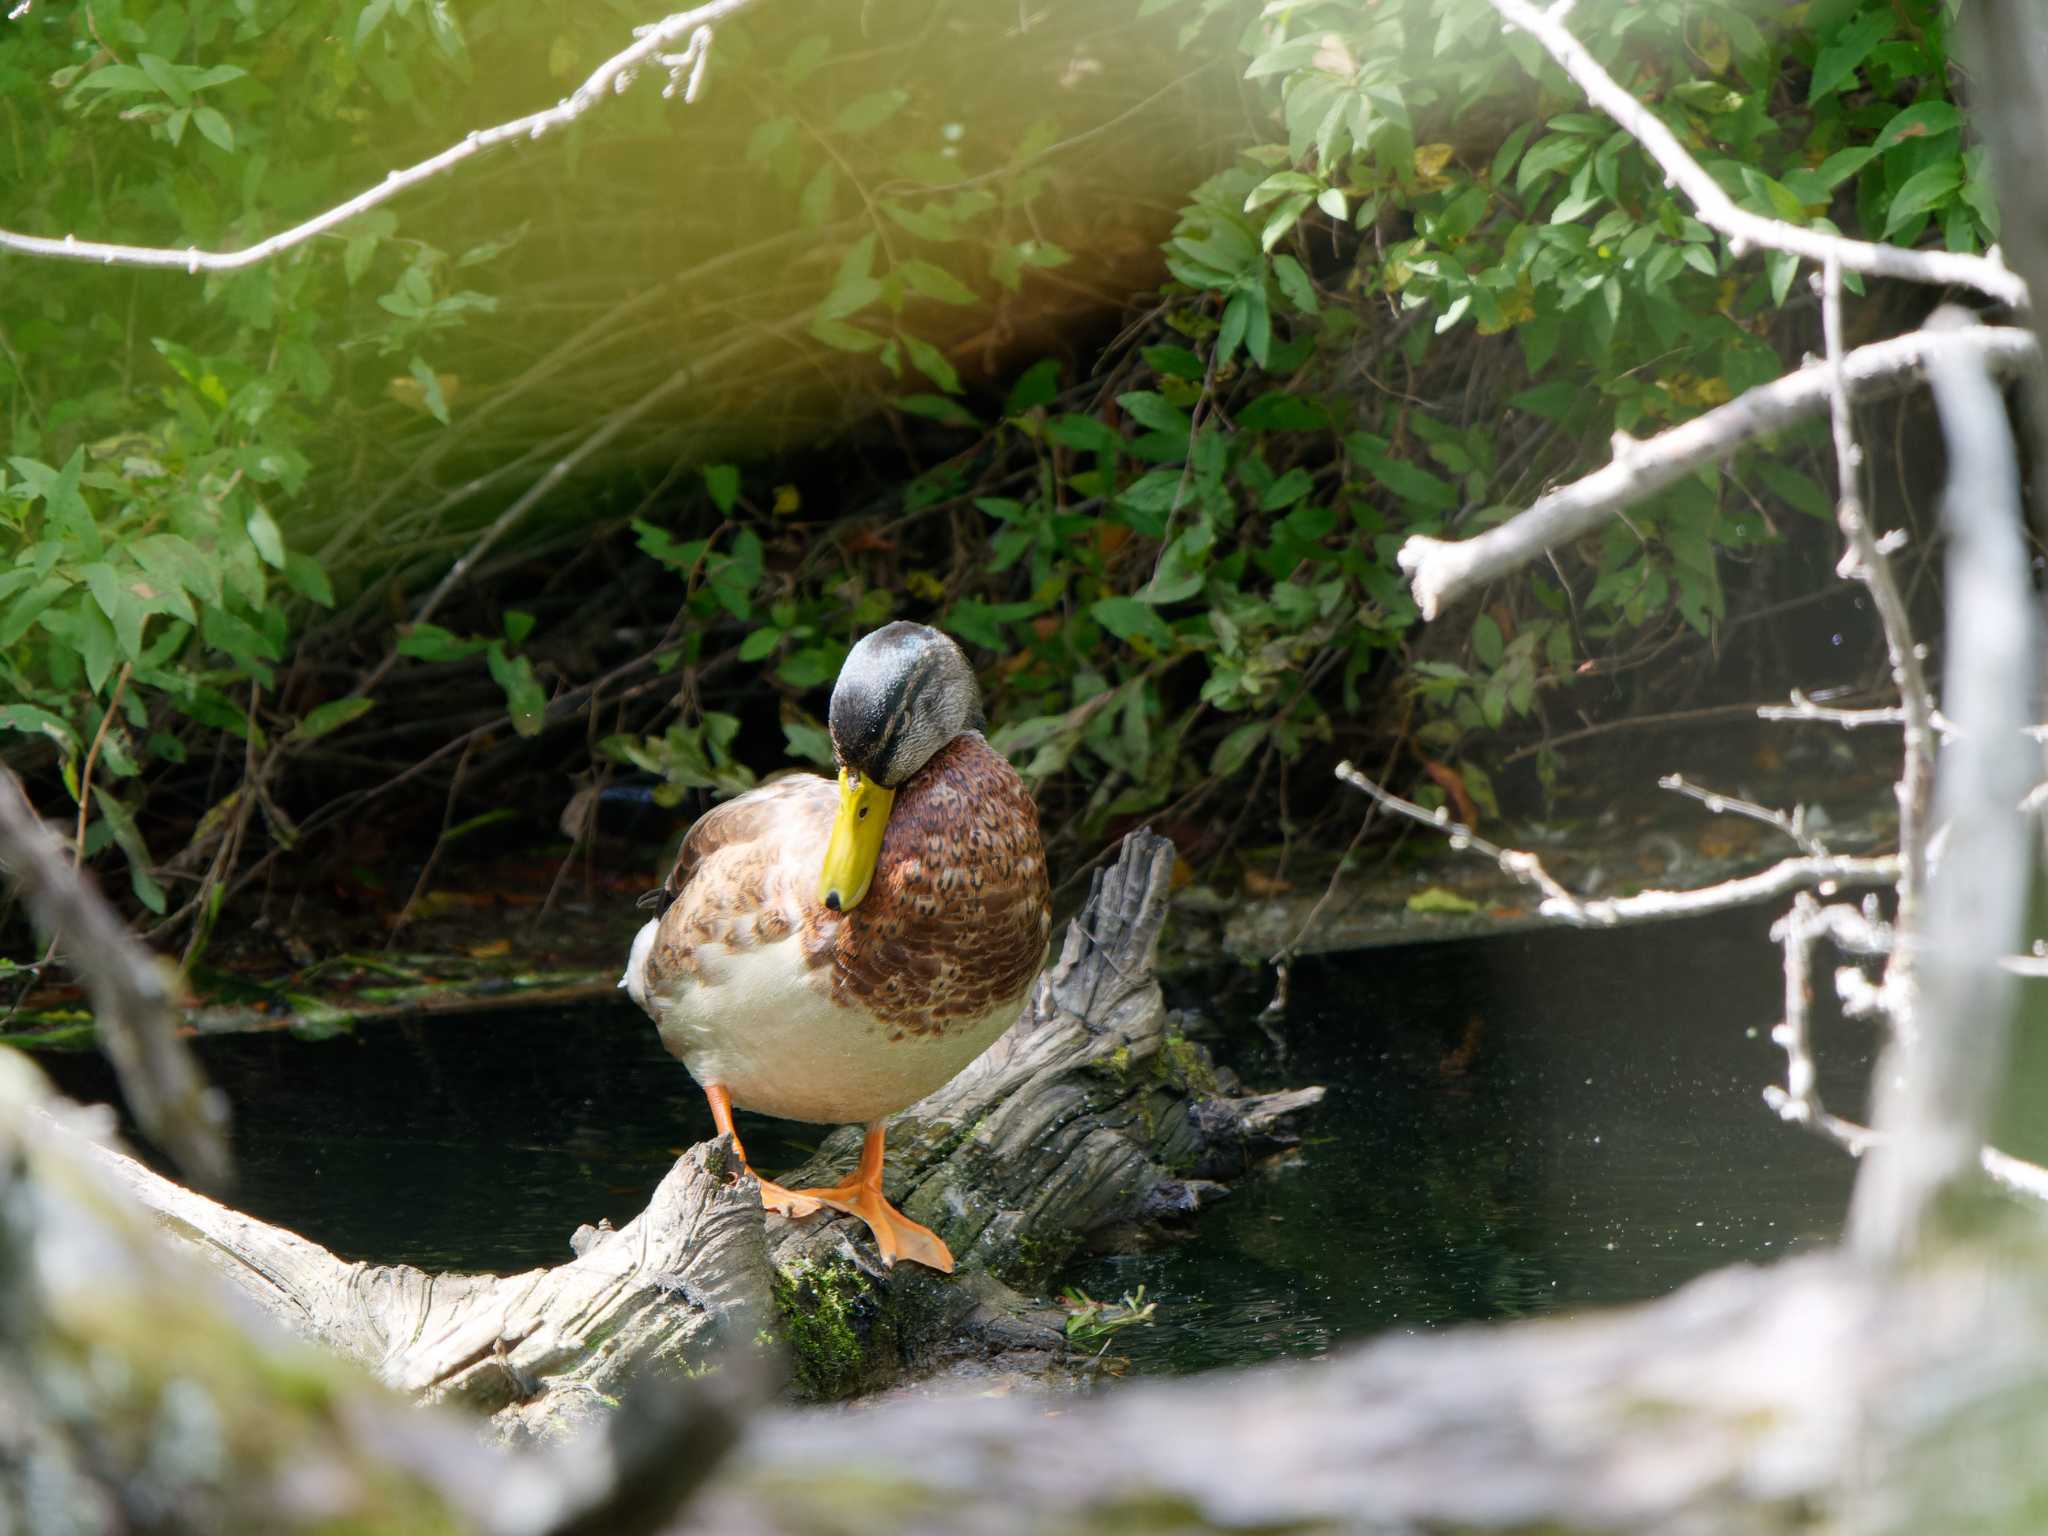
[1258, 330]
[1155, 412]
[1922, 120]
[525, 701]
[163, 74]
[430, 642]
[331, 716]
[949, 413]
[1839, 60]
[1556, 153]
[932, 363]
[1486, 641]
[929, 222]
[1037, 385]
[430, 391]
[1235, 750]
[215, 127]
[870, 111]
[1278, 409]
[935, 282]
[1230, 334]
[722, 484]
[1294, 283]
[853, 285]
[1795, 489]
[814, 205]
[32, 721]
[122, 823]
[843, 337]
[1923, 191]
[1555, 401]
[119, 80]
[305, 575]
[1128, 619]
[266, 536]
[1287, 490]
[1437, 899]
[62, 503]
[809, 742]
[1182, 568]
[760, 643]
[1082, 433]
[93, 633]
[23, 612]
[1413, 483]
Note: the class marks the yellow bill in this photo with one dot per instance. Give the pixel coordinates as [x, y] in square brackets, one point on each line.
[856, 841]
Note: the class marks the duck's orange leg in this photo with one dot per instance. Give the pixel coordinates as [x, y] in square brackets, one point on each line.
[860, 1194]
[788, 1201]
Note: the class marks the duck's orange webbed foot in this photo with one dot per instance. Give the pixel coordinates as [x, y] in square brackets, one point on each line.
[861, 1195]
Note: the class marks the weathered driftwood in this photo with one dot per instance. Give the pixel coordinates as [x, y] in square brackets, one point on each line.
[1817, 1395]
[130, 992]
[1087, 1119]
[137, 1392]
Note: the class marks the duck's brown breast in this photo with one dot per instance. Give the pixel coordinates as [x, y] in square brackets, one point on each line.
[955, 924]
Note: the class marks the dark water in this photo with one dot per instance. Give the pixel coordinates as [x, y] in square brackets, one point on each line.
[1513, 1126]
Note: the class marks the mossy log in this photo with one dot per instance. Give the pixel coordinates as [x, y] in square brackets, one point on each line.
[1087, 1123]
[1818, 1395]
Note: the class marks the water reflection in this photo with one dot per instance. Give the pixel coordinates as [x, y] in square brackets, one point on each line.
[1513, 1127]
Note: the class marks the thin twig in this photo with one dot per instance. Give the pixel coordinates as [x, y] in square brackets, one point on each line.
[92, 756]
[609, 78]
[1782, 878]
[419, 887]
[1718, 802]
[1865, 560]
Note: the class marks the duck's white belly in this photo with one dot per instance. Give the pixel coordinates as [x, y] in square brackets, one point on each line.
[761, 1024]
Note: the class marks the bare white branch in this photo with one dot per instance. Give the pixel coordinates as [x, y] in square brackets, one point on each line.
[655, 45]
[1987, 274]
[1864, 559]
[1440, 570]
[1828, 874]
[1804, 708]
[1719, 803]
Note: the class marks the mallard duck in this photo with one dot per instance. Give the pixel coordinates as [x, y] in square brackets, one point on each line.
[835, 952]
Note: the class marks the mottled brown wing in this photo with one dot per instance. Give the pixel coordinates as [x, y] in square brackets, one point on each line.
[797, 807]
[740, 879]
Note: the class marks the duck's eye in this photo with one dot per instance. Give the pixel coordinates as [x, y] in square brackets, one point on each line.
[863, 813]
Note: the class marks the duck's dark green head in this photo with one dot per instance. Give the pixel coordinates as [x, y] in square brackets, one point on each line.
[904, 692]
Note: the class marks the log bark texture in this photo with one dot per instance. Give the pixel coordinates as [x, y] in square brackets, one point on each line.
[1089, 1120]
[1820, 1394]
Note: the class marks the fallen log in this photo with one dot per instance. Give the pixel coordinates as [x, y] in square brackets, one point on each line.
[1089, 1120]
[1819, 1394]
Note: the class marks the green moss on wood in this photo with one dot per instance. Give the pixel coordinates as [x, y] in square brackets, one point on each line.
[1188, 1064]
[831, 1315]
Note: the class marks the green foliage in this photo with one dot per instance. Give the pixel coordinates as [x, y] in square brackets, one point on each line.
[1090, 1321]
[1187, 562]
[1549, 229]
[163, 427]
[1434, 283]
